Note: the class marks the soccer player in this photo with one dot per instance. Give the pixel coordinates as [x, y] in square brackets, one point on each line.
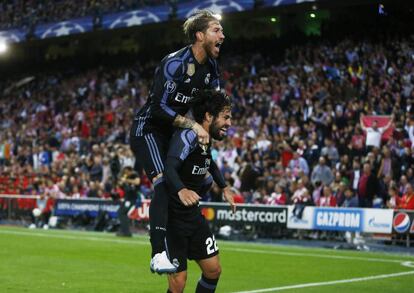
[179, 75]
[188, 234]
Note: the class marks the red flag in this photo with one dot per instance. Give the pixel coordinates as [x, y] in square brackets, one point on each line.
[382, 122]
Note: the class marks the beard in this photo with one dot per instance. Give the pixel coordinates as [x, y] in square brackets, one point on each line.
[210, 49]
[215, 131]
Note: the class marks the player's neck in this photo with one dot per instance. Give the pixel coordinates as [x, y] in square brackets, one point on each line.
[199, 53]
[206, 126]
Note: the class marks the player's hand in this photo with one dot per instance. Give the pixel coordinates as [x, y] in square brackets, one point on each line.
[228, 195]
[188, 197]
[203, 136]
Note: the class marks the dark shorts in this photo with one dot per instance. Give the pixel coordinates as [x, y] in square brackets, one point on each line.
[151, 150]
[193, 242]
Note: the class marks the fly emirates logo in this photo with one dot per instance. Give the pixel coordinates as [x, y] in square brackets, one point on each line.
[198, 170]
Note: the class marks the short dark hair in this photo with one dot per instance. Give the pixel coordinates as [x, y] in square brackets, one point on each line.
[209, 101]
[197, 22]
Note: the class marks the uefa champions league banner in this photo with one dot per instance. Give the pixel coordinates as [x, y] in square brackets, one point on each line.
[13, 36]
[136, 17]
[90, 207]
[184, 10]
[270, 3]
[342, 219]
[64, 28]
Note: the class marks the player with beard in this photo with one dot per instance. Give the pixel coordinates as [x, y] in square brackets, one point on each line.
[179, 75]
[188, 234]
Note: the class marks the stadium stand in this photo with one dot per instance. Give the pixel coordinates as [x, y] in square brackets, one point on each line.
[290, 115]
[24, 14]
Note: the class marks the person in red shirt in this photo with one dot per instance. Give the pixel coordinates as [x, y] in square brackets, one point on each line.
[278, 197]
[407, 201]
[394, 200]
[328, 199]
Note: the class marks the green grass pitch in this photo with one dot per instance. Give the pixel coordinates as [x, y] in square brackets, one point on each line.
[72, 261]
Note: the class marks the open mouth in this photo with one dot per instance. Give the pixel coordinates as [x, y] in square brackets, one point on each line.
[218, 45]
[223, 131]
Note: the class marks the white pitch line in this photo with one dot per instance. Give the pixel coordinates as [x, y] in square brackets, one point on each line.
[306, 285]
[233, 249]
[316, 255]
[100, 239]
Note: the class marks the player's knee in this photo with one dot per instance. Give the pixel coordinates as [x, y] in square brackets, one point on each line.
[177, 283]
[213, 272]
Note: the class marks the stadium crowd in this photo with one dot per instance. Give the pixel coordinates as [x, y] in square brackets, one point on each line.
[298, 135]
[25, 14]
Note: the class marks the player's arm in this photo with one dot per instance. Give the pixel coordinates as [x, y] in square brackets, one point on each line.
[164, 90]
[217, 176]
[215, 78]
[184, 122]
[168, 75]
[166, 80]
[228, 194]
[181, 145]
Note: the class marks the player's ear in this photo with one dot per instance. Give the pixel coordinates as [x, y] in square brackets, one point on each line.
[199, 36]
[208, 117]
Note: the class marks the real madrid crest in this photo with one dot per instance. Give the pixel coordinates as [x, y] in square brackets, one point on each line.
[190, 69]
[207, 79]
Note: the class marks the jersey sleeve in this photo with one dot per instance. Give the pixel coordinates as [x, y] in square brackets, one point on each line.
[217, 176]
[182, 144]
[166, 79]
[215, 78]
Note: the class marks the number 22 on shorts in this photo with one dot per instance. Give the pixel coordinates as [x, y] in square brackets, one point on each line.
[211, 245]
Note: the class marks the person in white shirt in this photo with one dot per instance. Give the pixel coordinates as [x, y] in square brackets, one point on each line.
[374, 133]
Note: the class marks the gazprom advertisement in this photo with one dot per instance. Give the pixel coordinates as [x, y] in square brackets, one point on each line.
[342, 219]
[338, 219]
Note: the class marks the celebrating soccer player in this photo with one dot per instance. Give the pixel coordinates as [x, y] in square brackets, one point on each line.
[179, 75]
[188, 234]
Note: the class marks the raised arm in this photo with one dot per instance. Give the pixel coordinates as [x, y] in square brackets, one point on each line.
[389, 123]
[361, 116]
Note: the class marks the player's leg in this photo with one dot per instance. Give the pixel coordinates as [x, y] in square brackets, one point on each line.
[176, 282]
[151, 151]
[177, 243]
[204, 250]
[211, 270]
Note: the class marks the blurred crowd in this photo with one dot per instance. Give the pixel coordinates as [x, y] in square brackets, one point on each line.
[298, 135]
[25, 14]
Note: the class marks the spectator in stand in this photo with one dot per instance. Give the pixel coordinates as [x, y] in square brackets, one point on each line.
[350, 201]
[374, 133]
[394, 198]
[358, 143]
[322, 173]
[356, 174]
[301, 194]
[407, 200]
[278, 197]
[331, 152]
[327, 199]
[298, 165]
[340, 193]
[367, 187]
